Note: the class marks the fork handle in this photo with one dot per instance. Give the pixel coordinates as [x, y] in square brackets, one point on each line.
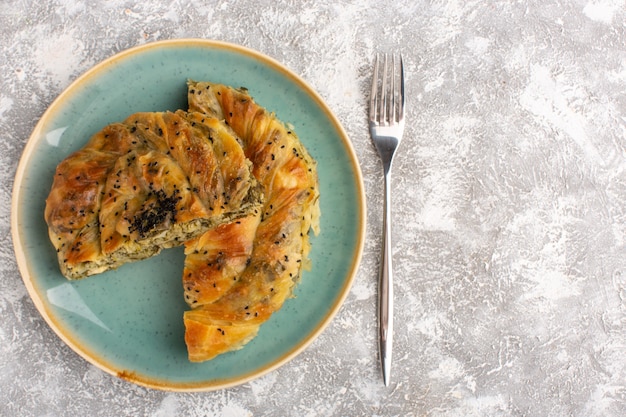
[385, 292]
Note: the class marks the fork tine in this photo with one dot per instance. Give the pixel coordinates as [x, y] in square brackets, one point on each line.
[392, 91]
[385, 96]
[374, 93]
[401, 109]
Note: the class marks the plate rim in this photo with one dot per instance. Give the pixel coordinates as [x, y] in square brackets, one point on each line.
[18, 245]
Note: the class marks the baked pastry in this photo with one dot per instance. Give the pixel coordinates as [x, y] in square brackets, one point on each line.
[153, 181]
[226, 178]
[237, 276]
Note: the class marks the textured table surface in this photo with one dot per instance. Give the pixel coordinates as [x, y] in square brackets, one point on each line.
[509, 204]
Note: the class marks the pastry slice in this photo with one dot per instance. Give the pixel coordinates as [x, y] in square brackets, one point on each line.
[231, 316]
[215, 260]
[151, 182]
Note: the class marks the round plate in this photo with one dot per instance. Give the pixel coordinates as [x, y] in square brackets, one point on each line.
[129, 321]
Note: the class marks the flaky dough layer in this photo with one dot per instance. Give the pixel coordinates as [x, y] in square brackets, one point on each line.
[153, 181]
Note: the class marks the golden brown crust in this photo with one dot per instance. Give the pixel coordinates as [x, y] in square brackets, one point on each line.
[215, 260]
[153, 181]
[280, 245]
[210, 339]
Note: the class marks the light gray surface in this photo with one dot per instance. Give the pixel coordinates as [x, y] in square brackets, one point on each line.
[510, 204]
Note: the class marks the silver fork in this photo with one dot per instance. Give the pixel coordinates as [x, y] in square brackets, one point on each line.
[386, 120]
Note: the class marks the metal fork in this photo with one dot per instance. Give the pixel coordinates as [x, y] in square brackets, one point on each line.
[386, 121]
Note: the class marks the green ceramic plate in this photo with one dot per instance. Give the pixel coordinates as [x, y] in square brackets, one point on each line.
[129, 321]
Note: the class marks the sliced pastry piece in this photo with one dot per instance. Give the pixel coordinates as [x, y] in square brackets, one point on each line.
[153, 181]
[228, 308]
[215, 260]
